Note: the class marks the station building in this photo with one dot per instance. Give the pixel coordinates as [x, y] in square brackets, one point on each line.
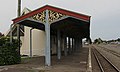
[51, 30]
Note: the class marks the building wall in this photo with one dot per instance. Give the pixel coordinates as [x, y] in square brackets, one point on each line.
[38, 42]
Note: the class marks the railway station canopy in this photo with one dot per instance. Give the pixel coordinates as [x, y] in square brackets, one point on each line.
[69, 23]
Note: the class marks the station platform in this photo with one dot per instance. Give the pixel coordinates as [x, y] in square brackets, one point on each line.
[74, 62]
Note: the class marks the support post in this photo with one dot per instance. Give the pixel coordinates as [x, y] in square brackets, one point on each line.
[65, 46]
[72, 45]
[75, 44]
[69, 45]
[58, 45]
[47, 47]
[31, 42]
[78, 43]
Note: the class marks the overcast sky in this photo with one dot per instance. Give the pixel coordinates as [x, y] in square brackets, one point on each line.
[105, 21]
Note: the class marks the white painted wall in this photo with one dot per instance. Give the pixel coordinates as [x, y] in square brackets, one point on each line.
[38, 42]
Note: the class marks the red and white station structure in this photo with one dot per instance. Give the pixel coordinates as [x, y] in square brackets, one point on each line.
[63, 30]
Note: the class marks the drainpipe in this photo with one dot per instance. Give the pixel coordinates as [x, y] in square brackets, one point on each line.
[11, 36]
[31, 42]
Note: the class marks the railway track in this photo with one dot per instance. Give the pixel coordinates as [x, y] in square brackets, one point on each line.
[110, 51]
[104, 64]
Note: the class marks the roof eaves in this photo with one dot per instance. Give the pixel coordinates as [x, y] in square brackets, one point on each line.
[63, 11]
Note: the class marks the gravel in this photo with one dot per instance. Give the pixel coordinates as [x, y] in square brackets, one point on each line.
[114, 47]
[114, 59]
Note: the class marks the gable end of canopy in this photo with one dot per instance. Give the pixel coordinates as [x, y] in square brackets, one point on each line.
[54, 15]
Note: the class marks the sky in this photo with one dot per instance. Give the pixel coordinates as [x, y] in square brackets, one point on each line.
[105, 14]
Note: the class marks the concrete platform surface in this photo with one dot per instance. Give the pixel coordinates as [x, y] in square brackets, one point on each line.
[75, 62]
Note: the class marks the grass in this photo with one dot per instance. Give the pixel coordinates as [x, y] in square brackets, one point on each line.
[25, 59]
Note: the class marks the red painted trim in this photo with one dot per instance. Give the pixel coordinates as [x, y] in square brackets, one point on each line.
[29, 14]
[69, 13]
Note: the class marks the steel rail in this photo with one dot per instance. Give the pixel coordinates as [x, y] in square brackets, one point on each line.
[98, 61]
[108, 61]
[110, 51]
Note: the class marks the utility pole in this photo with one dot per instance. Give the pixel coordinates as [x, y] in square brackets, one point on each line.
[18, 26]
[19, 8]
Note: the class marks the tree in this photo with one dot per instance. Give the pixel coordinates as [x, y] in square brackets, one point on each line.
[8, 52]
[98, 41]
[118, 39]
